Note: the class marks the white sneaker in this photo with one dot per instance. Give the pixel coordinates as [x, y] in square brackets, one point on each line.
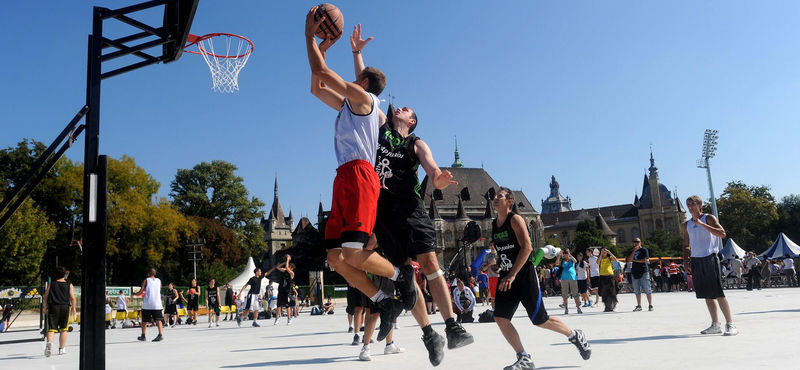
[364, 356]
[730, 330]
[523, 363]
[392, 349]
[396, 327]
[62, 351]
[217, 323]
[48, 349]
[276, 320]
[289, 322]
[715, 328]
[210, 324]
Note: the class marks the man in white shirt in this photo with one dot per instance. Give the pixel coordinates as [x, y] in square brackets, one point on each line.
[151, 305]
[736, 270]
[594, 275]
[122, 306]
[464, 302]
[788, 269]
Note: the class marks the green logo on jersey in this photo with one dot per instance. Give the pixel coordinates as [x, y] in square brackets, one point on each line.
[396, 141]
[502, 235]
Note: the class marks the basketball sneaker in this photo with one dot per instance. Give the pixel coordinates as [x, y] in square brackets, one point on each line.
[278, 318]
[457, 337]
[62, 351]
[48, 349]
[210, 324]
[730, 330]
[405, 284]
[141, 338]
[364, 356]
[389, 310]
[715, 328]
[356, 340]
[523, 363]
[289, 322]
[239, 321]
[393, 349]
[650, 308]
[435, 345]
[158, 338]
[255, 324]
[579, 340]
[637, 308]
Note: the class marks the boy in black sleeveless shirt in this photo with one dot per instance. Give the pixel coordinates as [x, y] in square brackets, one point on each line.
[518, 282]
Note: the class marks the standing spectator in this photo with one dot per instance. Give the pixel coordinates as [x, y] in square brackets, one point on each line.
[172, 305]
[702, 242]
[7, 311]
[122, 306]
[736, 271]
[463, 302]
[608, 282]
[628, 267]
[594, 275]
[657, 276]
[640, 274]
[229, 301]
[674, 279]
[59, 303]
[665, 279]
[582, 273]
[151, 305]
[569, 280]
[483, 287]
[788, 269]
[753, 271]
[766, 273]
[490, 265]
[356, 302]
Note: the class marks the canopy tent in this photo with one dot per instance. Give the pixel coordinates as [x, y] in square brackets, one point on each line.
[242, 279]
[732, 249]
[781, 247]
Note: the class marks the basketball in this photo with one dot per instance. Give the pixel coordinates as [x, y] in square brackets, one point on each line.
[551, 252]
[333, 23]
[192, 291]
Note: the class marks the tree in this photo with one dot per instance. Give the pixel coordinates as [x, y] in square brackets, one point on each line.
[789, 217]
[748, 214]
[661, 244]
[587, 234]
[23, 242]
[213, 191]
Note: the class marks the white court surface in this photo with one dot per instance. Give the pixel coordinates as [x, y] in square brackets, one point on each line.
[668, 338]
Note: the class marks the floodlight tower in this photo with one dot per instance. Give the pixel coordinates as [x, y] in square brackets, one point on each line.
[709, 151]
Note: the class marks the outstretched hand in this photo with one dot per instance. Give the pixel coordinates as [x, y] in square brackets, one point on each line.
[356, 42]
[444, 180]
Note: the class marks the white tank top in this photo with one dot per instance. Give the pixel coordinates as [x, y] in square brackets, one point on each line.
[703, 243]
[356, 135]
[152, 295]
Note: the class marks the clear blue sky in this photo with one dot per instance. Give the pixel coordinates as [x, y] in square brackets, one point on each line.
[576, 89]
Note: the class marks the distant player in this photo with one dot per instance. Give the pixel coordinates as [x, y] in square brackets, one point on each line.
[151, 305]
[212, 302]
[251, 302]
[519, 284]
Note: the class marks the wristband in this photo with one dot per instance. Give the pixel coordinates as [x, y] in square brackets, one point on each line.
[356, 51]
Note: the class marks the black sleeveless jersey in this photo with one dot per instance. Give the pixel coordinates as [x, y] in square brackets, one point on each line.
[397, 165]
[213, 299]
[286, 282]
[171, 295]
[507, 245]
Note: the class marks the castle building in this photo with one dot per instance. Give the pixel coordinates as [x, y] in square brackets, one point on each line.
[555, 202]
[656, 209]
[277, 227]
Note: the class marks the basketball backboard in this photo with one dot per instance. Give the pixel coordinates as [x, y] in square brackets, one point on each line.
[178, 17]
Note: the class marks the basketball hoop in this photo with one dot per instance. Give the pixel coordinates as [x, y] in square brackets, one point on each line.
[226, 63]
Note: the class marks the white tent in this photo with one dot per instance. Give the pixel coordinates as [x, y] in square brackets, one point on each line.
[242, 279]
[732, 249]
[781, 247]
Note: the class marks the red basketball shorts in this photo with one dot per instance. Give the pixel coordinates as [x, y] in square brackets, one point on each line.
[354, 206]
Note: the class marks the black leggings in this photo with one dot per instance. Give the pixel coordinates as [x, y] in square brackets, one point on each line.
[754, 278]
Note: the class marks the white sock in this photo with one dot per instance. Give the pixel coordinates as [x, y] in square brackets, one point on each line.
[523, 353]
[396, 274]
[571, 335]
[379, 296]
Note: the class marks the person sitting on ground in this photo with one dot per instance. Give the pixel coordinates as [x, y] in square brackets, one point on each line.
[327, 308]
[463, 302]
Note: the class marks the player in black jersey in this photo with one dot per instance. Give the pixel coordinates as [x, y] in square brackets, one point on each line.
[287, 271]
[518, 282]
[212, 302]
[403, 229]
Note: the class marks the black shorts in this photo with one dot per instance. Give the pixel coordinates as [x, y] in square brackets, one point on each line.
[58, 314]
[595, 280]
[152, 315]
[192, 306]
[283, 298]
[355, 299]
[172, 309]
[403, 232]
[674, 280]
[525, 290]
[707, 278]
[583, 286]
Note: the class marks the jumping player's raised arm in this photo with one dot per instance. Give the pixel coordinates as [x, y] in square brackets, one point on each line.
[360, 100]
[318, 88]
[440, 179]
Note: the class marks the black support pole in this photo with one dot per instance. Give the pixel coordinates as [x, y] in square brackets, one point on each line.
[93, 281]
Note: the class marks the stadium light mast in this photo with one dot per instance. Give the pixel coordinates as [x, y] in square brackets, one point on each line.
[709, 151]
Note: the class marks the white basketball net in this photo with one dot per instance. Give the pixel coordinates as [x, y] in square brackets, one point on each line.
[225, 64]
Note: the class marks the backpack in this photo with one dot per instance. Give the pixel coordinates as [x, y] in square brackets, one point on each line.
[316, 310]
[486, 316]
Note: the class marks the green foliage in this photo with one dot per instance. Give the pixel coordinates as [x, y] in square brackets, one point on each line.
[748, 214]
[589, 235]
[789, 217]
[554, 242]
[661, 244]
[213, 191]
[23, 242]
[218, 271]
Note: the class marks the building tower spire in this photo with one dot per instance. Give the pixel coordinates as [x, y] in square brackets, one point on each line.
[457, 163]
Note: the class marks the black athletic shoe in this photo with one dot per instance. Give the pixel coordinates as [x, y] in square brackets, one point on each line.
[435, 345]
[457, 337]
[389, 310]
[141, 338]
[583, 345]
[350, 330]
[158, 338]
[405, 284]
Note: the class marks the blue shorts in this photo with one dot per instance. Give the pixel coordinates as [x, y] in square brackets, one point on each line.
[642, 284]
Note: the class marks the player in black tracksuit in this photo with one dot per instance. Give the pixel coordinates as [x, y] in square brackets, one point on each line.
[518, 283]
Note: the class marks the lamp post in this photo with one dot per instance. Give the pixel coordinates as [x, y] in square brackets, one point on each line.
[709, 151]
